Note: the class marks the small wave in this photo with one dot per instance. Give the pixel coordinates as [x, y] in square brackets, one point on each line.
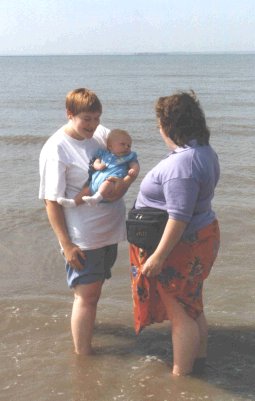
[11, 218]
[23, 139]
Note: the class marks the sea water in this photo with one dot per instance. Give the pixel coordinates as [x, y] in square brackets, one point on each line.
[37, 360]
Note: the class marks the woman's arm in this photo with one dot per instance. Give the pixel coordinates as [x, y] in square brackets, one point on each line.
[121, 186]
[57, 220]
[171, 236]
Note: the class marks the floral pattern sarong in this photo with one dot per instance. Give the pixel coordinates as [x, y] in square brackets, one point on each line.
[183, 274]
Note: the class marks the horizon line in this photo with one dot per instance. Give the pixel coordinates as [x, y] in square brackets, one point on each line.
[206, 52]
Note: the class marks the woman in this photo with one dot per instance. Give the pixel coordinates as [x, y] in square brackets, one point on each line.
[167, 284]
[88, 237]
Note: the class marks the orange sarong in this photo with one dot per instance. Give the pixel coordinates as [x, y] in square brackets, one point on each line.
[183, 274]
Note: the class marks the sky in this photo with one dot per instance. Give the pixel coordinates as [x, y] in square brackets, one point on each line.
[29, 27]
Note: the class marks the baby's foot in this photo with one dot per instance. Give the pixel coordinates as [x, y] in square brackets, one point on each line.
[90, 201]
[65, 202]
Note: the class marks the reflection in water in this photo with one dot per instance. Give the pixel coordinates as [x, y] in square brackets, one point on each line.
[124, 367]
[136, 368]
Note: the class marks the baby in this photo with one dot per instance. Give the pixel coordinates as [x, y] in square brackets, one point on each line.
[116, 161]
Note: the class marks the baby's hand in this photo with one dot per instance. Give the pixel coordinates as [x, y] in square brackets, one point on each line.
[102, 166]
[99, 166]
[132, 172]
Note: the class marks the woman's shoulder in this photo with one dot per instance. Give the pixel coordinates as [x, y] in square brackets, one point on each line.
[56, 145]
[204, 155]
[56, 138]
[186, 163]
[101, 132]
[176, 165]
[193, 153]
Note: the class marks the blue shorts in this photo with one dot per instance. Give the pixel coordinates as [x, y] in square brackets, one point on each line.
[97, 266]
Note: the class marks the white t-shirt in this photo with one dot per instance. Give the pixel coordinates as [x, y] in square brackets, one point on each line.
[64, 163]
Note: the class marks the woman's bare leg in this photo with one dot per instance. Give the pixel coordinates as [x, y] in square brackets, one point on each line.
[185, 335]
[203, 330]
[83, 316]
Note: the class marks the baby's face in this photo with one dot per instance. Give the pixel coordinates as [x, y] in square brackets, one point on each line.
[120, 146]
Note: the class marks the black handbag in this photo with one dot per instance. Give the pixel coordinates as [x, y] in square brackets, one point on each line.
[145, 227]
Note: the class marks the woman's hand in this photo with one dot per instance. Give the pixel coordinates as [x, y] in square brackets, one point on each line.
[74, 256]
[153, 266]
[171, 236]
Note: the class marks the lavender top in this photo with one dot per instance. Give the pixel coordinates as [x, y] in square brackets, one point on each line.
[183, 184]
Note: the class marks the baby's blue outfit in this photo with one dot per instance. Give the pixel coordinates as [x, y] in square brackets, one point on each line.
[116, 166]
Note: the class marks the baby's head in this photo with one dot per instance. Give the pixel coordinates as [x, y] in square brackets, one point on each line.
[119, 142]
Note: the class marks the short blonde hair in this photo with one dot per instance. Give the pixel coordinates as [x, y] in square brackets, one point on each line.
[115, 133]
[82, 99]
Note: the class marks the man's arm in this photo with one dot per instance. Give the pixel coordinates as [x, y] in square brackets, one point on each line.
[57, 220]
